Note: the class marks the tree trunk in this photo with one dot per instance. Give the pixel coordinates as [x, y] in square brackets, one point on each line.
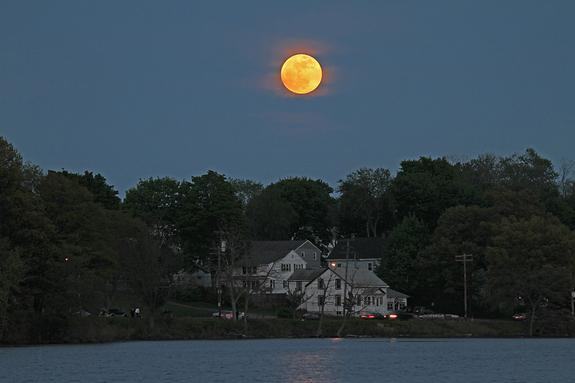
[246, 303]
[532, 320]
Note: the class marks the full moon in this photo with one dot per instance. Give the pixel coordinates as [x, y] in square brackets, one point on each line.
[301, 74]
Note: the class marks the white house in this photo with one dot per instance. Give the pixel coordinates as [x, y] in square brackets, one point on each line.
[326, 289]
[269, 264]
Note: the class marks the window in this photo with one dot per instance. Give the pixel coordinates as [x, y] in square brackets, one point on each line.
[245, 284]
[320, 300]
[272, 284]
[339, 265]
[298, 285]
[338, 284]
[370, 266]
[286, 267]
[303, 254]
[367, 301]
[338, 300]
[285, 283]
[320, 284]
[359, 300]
[244, 270]
[390, 305]
[314, 255]
[401, 305]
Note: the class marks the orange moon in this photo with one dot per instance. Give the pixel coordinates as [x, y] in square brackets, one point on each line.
[301, 74]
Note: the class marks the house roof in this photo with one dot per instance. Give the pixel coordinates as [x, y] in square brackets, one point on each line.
[264, 252]
[358, 278]
[305, 275]
[364, 278]
[396, 294]
[359, 248]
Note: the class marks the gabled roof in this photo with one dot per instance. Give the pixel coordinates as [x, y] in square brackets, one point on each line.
[396, 294]
[264, 252]
[364, 278]
[359, 248]
[358, 278]
[305, 275]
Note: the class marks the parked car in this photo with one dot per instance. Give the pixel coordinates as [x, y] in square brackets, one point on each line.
[519, 316]
[226, 314]
[371, 316]
[111, 313]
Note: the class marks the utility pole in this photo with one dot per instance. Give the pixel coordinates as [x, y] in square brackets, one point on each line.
[221, 248]
[464, 258]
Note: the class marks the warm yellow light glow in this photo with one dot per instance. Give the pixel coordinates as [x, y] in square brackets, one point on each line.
[301, 74]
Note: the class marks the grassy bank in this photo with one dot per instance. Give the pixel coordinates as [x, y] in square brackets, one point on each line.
[90, 330]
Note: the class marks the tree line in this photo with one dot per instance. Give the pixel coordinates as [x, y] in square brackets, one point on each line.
[68, 242]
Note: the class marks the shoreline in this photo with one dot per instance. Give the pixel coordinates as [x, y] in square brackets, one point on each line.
[99, 330]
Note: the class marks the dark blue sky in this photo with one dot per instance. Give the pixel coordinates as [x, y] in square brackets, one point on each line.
[134, 89]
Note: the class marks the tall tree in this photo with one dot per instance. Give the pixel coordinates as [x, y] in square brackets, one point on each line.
[102, 193]
[365, 204]
[246, 190]
[209, 203]
[157, 202]
[531, 260]
[400, 267]
[303, 205]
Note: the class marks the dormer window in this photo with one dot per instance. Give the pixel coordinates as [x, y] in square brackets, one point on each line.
[314, 255]
[370, 266]
[303, 254]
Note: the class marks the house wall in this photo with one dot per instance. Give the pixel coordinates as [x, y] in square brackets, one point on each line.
[377, 302]
[277, 273]
[311, 254]
[359, 264]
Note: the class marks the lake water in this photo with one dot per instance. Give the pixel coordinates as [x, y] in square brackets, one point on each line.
[298, 360]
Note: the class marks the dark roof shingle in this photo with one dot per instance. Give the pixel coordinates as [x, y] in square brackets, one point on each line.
[359, 248]
[264, 252]
[305, 275]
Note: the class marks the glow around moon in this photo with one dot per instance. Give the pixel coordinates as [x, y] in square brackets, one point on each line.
[301, 74]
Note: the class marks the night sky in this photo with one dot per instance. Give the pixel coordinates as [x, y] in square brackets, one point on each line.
[134, 89]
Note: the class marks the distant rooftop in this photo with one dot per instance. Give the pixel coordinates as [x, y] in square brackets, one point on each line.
[359, 248]
[264, 252]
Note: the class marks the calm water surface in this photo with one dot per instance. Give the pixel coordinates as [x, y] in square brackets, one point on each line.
[308, 360]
